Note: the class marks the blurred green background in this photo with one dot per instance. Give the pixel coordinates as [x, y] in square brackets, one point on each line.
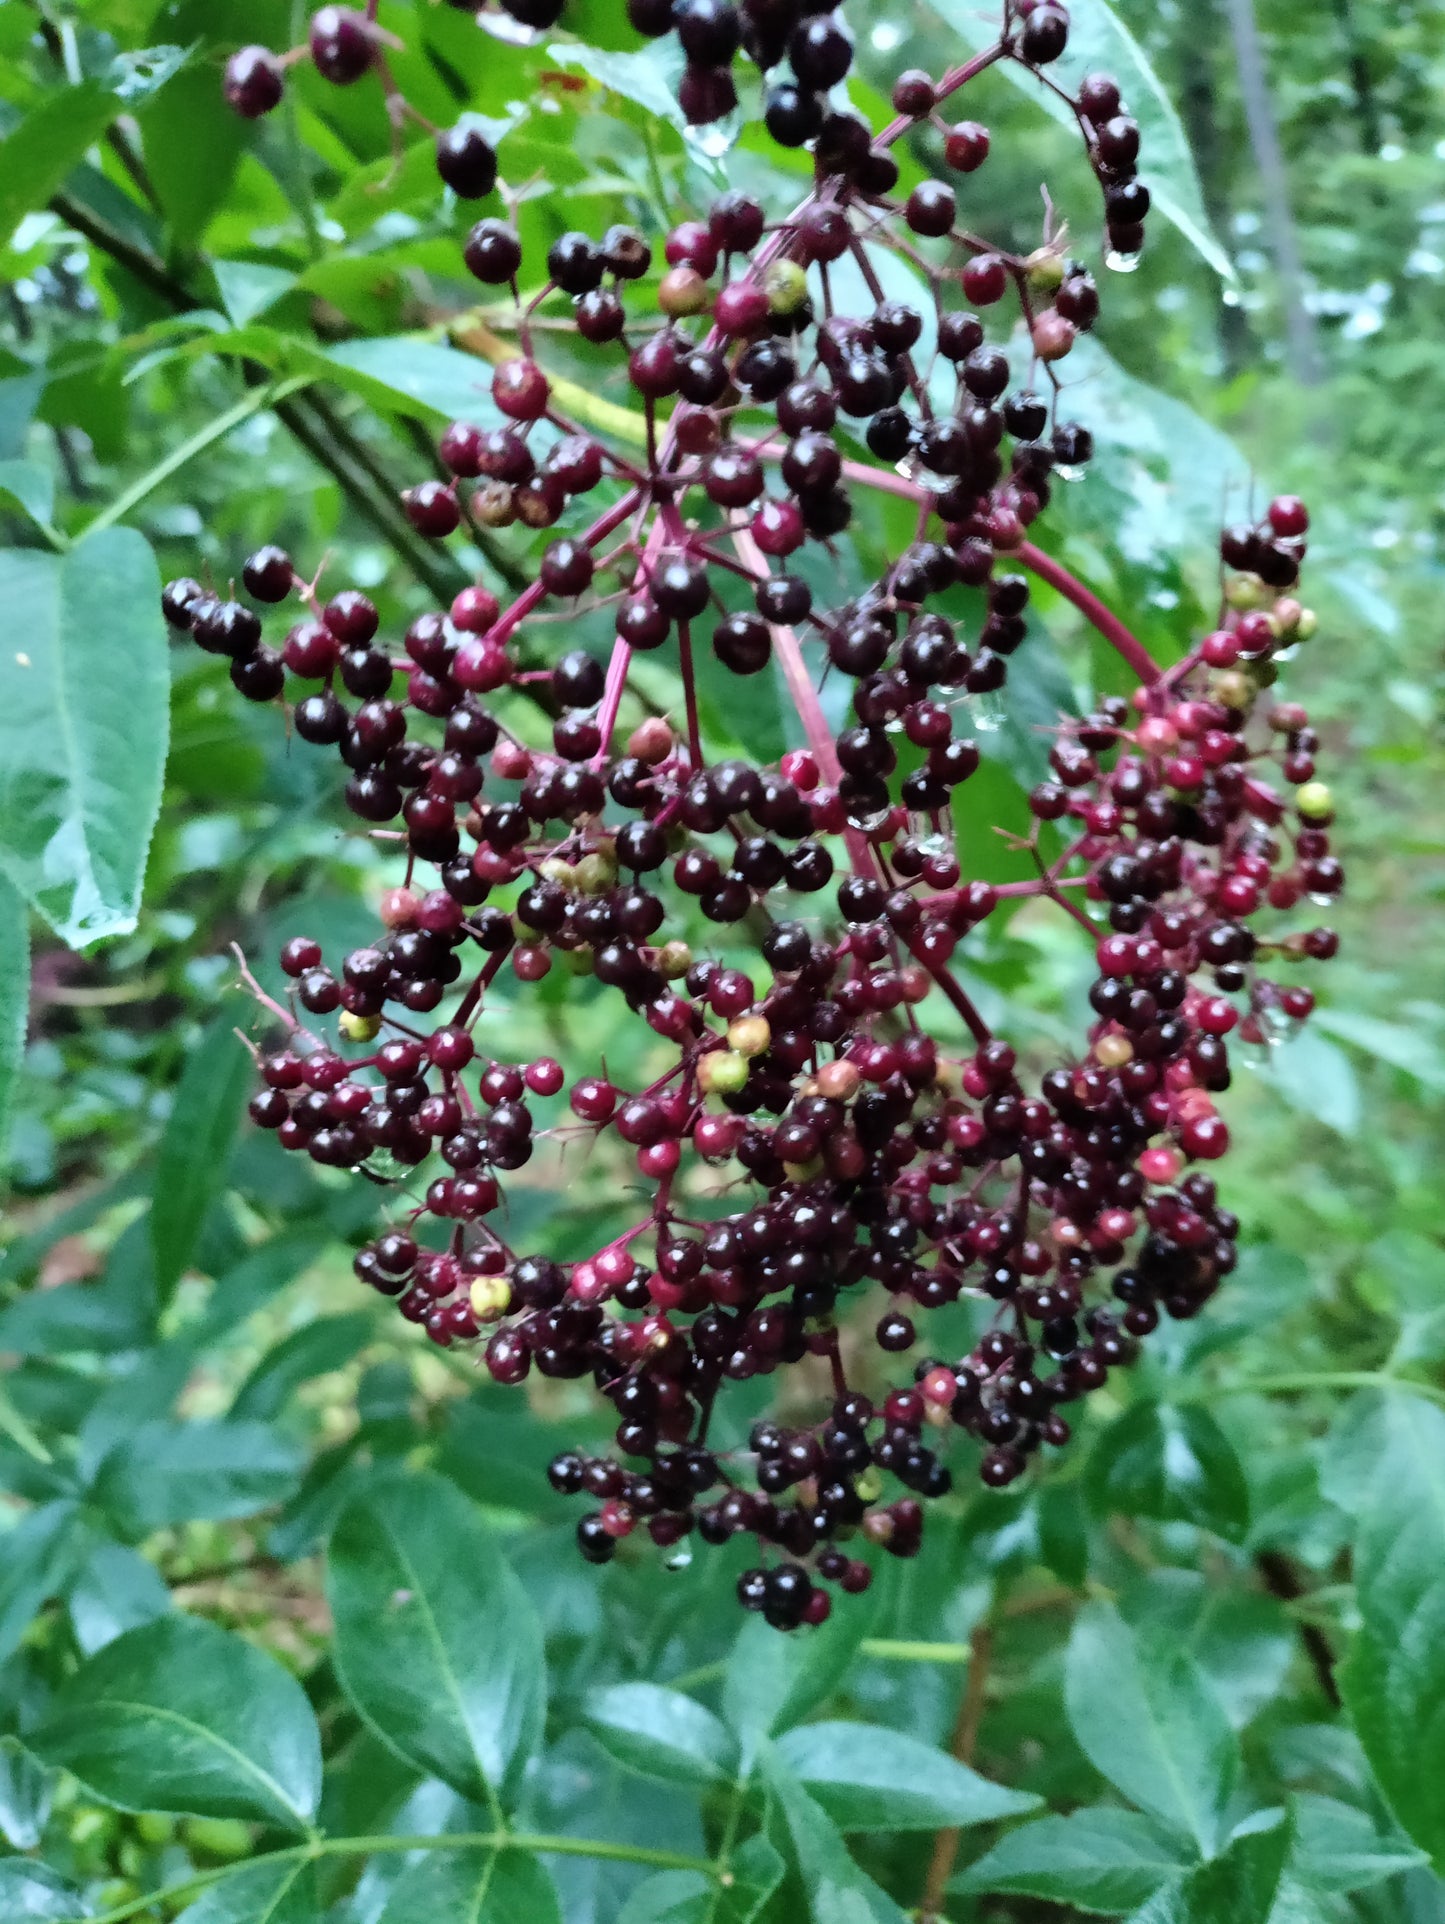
[185, 257]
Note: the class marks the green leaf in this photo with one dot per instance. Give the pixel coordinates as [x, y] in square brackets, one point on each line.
[32, 1893]
[260, 1893]
[253, 1282]
[1160, 478]
[756, 1869]
[14, 998]
[196, 1147]
[661, 1733]
[1241, 1883]
[191, 152]
[867, 1777]
[38, 1558]
[838, 1891]
[773, 1681]
[19, 395]
[1393, 1680]
[672, 1897]
[1144, 1716]
[1295, 1903]
[47, 145]
[249, 287]
[85, 692]
[474, 1887]
[1097, 1860]
[116, 1590]
[418, 378]
[1171, 1462]
[1339, 1848]
[164, 1473]
[313, 1350]
[105, 1317]
[25, 1795]
[1099, 42]
[649, 78]
[436, 1642]
[182, 1716]
[31, 487]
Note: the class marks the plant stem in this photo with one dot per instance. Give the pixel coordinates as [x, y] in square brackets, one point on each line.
[498, 1840]
[1044, 566]
[965, 1741]
[1093, 610]
[1282, 1580]
[253, 403]
[951, 82]
[890, 1650]
[1314, 1380]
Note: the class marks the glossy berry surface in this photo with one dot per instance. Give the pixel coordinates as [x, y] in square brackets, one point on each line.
[832, 1171]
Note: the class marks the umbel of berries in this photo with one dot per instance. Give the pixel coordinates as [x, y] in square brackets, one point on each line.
[839, 1179]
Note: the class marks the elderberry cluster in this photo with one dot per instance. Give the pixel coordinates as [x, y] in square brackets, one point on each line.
[821, 1170]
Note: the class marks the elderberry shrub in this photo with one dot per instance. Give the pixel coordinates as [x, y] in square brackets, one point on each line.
[871, 1176]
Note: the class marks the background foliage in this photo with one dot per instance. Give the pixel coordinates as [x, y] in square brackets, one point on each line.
[290, 1620]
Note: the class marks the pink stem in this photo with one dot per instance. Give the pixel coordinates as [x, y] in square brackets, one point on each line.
[689, 692]
[511, 618]
[621, 662]
[825, 753]
[1093, 610]
[1044, 566]
[951, 82]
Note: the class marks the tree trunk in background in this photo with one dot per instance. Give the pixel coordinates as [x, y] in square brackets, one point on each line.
[1367, 115]
[1196, 53]
[1274, 180]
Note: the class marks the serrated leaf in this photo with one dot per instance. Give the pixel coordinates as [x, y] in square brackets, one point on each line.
[418, 378]
[474, 1887]
[249, 287]
[38, 1558]
[649, 77]
[261, 1893]
[314, 1350]
[109, 1316]
[32, 1893]
[772, 1681]
[838, 1890]
[195, 1149]
[1339, 1848]
[756, 1869]
[1172, 1462]
[867, 1777]
[31, 487]
[163, 1473]
[1393, 1680]
[1099, 1860]
[14, 997]
[672, 1897]
[1241, 1882]
[1099, 42]
[436, 1642]
[51, 140]
[661, 1733]
[25, 1795]
[181, 1716]
[1145, 1717]
[115, 1590]
[85, 692]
